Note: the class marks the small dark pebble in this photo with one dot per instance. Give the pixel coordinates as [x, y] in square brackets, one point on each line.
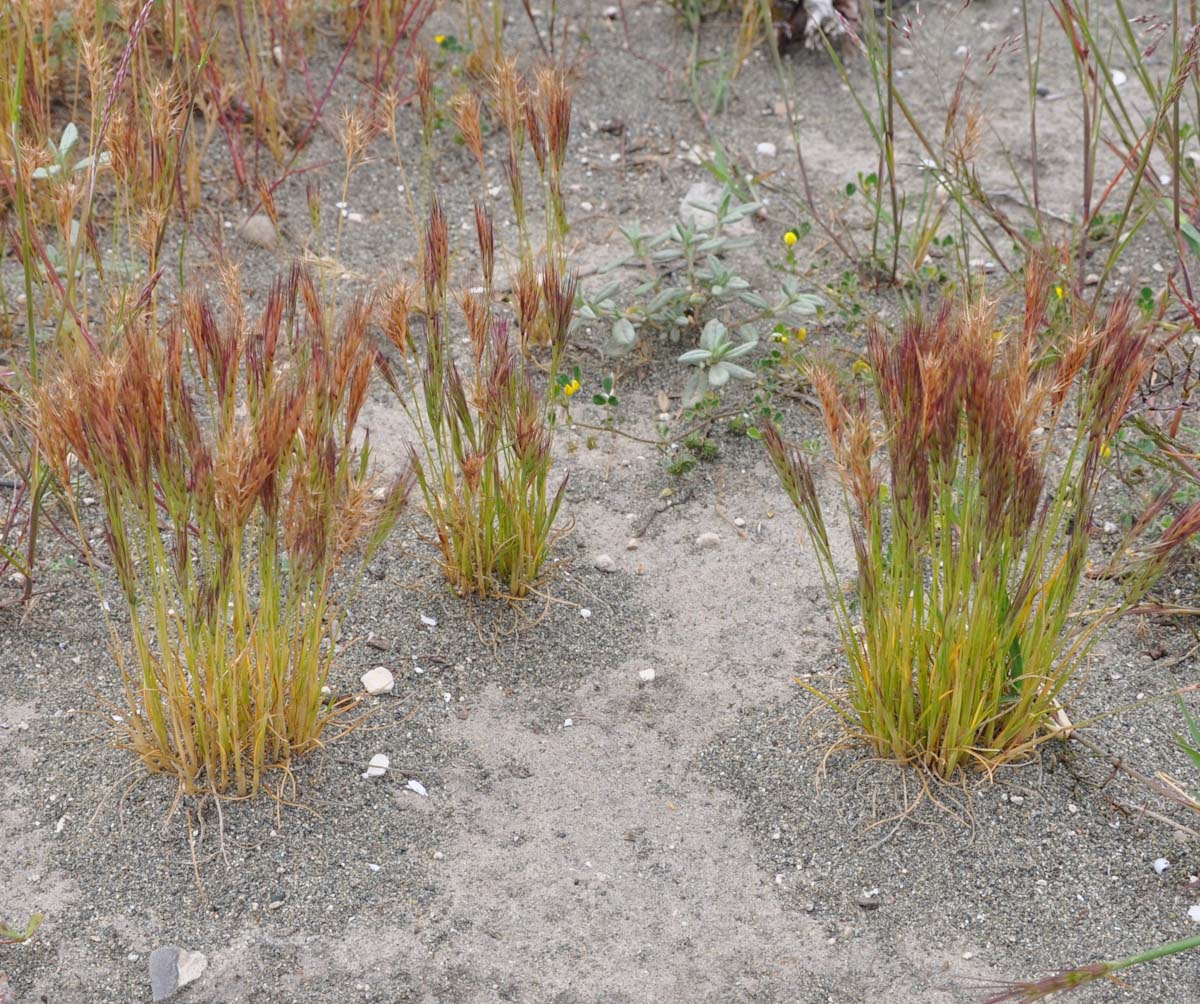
[869, 901]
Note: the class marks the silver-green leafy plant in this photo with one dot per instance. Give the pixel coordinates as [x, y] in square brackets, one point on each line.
[687, 280]
[61, 151]
[714, 362]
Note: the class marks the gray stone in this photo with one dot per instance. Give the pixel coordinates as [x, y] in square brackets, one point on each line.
[172, 968]
[708, 540]
[604, 563]
[259, 231]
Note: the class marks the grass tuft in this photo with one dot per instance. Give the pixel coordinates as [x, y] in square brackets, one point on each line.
[223, 457]
[483, 458]
[971, 540]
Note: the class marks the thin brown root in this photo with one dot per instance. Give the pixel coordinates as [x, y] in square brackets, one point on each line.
[195, 862]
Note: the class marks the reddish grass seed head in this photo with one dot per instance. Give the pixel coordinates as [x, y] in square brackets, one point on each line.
[485, 233]
[528, 297]
[435, 262]
[554, 99]
[468, 112]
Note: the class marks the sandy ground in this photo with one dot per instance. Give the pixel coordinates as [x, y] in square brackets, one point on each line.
[588, 836]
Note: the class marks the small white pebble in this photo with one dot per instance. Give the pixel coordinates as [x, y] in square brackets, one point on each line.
[585, 613]
[567, 723]
[1161, 865]
[378, 766]
[378, 681]
[646, 675]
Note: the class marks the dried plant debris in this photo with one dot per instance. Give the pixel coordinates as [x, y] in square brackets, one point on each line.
[815, 20]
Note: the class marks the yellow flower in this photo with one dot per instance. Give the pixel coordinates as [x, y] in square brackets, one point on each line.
[1058, 291]
[801, 334]
[790, 238]
[861, 367]
[440, 39]
[1105, 452]
[571, 388]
